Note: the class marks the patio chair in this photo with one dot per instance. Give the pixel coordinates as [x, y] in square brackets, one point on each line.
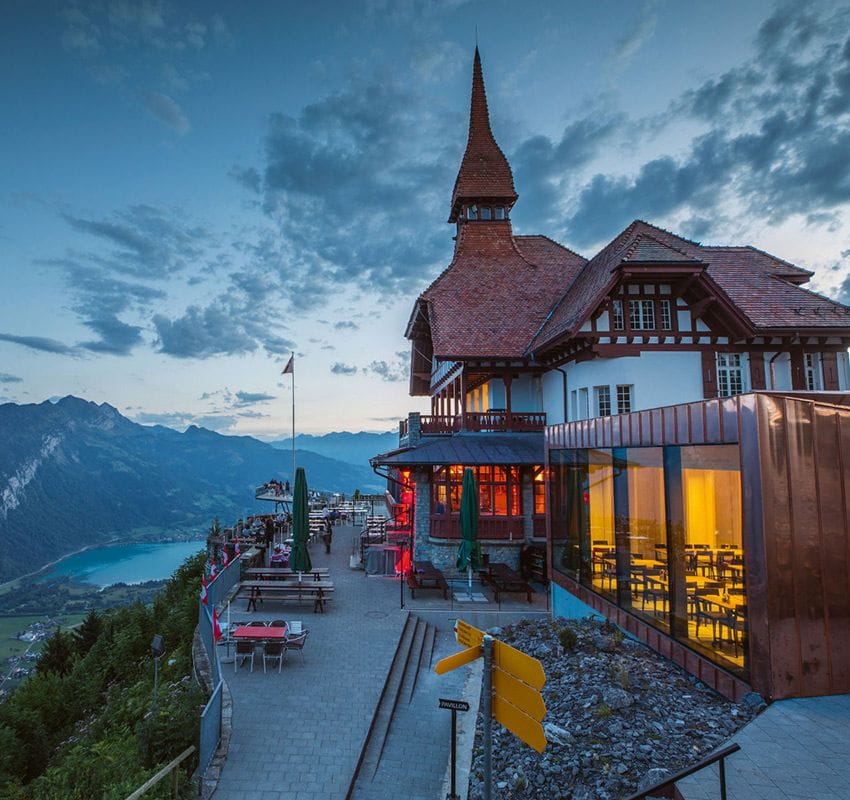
[244, 651]
[272, 651]
[295, 627]
[277, 623]
[297, 643]
[256, 623]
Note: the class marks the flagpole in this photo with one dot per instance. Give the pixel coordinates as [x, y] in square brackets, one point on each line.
[292, 361]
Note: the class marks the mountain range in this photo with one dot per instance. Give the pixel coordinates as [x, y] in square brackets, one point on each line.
[355, 448]
[74, 473]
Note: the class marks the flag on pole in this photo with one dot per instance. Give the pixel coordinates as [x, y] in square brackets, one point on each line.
[204, 598]
[290, 366]
[216, 627]
[225, 560]
[236, 551]
[213, 572]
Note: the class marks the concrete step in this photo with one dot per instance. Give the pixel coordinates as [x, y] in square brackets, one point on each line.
[414, 650]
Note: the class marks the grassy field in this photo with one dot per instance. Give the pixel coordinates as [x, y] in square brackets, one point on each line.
[10, 626]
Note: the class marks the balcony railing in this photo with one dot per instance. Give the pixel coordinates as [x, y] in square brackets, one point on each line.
[522, 421]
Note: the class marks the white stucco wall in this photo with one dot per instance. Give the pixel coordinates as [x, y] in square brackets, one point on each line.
[553, 397]
[659, 379]
[778, 375]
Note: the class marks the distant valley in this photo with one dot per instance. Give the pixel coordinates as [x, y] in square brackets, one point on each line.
[74, 473]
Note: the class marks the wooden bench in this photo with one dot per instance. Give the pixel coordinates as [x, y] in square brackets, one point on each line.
[502, 579]
[424, 575]
[285, 573]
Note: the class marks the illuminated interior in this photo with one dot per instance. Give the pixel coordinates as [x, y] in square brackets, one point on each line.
[498, 490]
[611, 510]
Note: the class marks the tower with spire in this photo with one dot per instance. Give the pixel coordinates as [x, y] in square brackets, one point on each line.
[484, 188]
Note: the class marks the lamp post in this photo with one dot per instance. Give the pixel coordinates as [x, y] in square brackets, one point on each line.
[158, 651]
[402, 544]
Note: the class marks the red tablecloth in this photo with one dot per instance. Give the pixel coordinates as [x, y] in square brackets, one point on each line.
[256, 632]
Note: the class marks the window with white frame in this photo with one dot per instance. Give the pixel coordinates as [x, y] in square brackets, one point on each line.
[624, 398]
[642, 315]
[666, 316]
[602, 399]
[618, 322]
[812, 366]
[730, 374]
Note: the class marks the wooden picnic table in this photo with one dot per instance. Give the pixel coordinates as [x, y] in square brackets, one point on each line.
[290, 589]
[282, 573]
[504, 579]
[424, 575]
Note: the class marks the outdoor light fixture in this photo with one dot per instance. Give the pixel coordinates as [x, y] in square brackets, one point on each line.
[158, 650]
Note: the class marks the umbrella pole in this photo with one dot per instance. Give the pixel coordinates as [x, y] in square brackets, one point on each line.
[469, 579]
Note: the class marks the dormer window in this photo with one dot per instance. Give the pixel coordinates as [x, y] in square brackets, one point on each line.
[486, 212]
[472, 212]
[499, 212]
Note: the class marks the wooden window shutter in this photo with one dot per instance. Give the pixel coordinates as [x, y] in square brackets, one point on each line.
[829, 361]
[798, 373]
[709, 374]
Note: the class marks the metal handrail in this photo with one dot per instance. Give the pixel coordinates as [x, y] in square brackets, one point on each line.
[153, 781]
[670, 782]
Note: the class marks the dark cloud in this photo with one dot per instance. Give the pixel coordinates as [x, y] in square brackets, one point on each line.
[776, 144]
[248, 398]
[40, 343]
[346, 325]
[394, 371]
[5, 377]
[347, 185]
[116, 337]
[168, 111]
[144, 241]
[343, 369]
[202, 333]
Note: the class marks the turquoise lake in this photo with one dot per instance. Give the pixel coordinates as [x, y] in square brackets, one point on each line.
[125, 563]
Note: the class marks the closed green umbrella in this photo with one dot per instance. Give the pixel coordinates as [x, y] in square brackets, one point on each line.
[469, 552]
[299, 560]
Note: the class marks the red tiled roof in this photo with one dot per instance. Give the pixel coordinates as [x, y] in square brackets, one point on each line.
[496, 292]
[761, 286]
[484, 171]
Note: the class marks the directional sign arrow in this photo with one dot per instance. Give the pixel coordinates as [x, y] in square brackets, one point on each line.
[520, 725]
[527, 669]
[449, 663]
[467, 635]
[523, 696]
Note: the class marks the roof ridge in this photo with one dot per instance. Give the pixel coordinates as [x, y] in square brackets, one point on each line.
[548, 239]
[641, 236]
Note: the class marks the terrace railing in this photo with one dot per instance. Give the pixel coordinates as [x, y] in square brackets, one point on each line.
[210, 729]
[500, 421]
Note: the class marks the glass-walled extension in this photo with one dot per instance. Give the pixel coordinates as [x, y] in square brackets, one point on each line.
[657, 530]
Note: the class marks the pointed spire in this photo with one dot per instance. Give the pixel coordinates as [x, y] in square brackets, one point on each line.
[484, 174]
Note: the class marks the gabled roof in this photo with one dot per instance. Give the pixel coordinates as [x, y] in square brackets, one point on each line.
[496, 292]
[484, 172]
[761, 288]
[470, 449]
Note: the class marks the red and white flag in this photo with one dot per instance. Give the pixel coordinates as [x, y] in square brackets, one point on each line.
[216, 627]
[225, 560]
[290, 365]
[213, 572]
[236, 551]
[204, 597]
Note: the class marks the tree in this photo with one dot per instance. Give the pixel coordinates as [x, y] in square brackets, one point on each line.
[86, 635]
[56, 655]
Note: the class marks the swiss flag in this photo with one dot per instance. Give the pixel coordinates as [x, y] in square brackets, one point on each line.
[216, 627]
[224, 559]
[213, 572]
[204, 598]
[236, 551]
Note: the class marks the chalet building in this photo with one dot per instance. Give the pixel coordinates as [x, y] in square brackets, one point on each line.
[628, 404]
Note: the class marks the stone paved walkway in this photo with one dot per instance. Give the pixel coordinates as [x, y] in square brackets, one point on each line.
[796, 750]
[297, 735]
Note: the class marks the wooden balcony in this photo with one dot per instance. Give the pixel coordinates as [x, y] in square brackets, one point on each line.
[486, 421]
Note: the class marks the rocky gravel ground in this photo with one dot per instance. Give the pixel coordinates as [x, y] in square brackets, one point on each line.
[619, 717]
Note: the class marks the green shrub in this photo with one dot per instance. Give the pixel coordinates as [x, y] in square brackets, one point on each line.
[567, 637]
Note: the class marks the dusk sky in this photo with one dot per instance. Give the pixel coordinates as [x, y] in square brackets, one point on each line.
[190, 191]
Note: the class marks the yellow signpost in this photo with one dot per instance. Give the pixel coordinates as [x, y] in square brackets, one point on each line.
[519, 724]
[523, 667]
[467, 635]
[524, 697]
[449, 663]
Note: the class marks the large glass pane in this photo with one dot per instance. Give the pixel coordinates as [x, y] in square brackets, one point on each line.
[714, 557]
[598, 501]
[569, 468]
[642, 536]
